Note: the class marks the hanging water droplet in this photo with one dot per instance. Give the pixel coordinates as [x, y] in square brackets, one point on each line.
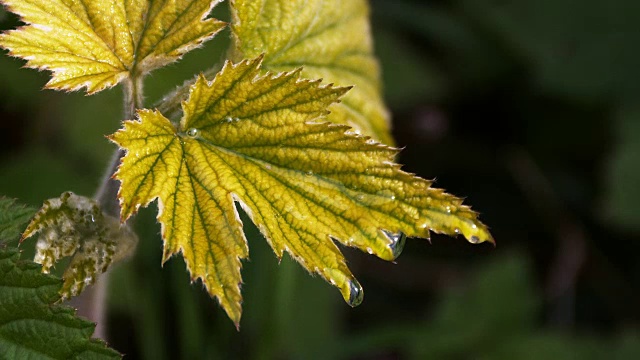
[192, 133]
[356, 294]
[474, 240]
[397, 242]
[456, 230]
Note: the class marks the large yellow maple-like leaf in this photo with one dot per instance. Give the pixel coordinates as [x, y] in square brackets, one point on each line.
[330, 39]
[263, 142]
[95, 44]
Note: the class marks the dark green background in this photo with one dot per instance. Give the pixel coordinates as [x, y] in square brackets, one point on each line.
[529, 109]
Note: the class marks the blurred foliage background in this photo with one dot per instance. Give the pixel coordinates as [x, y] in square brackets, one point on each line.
[527, 108]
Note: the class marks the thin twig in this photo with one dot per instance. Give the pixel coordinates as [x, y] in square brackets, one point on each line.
[92, 302]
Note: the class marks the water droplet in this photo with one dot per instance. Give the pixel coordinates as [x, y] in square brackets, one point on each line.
[356, 294]
[370, 250]
[309, 173]
[192, 133]
[359, 197]
[456, 230]
[397, 242]
[474, 226]
[387, 194]
[448, 208]
[267, 166]
[228, 119]
[474, 240]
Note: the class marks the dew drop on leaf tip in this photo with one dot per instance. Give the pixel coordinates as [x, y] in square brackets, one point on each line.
[356, 294]
[397, 242]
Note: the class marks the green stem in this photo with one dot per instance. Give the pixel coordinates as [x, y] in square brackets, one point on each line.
[133, 96]
[92, 302]
[106, 195]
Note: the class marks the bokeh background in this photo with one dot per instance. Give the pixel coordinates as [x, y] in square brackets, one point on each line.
[529, 109]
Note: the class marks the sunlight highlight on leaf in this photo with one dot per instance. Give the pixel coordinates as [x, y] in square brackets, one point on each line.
[330, 40]
[95, 44]
[263, 141]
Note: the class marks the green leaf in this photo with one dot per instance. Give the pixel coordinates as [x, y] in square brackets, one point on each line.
[31, 327]
[73, 225]
[13, 217]
[264, 142]
[330, 39]
[95, 44]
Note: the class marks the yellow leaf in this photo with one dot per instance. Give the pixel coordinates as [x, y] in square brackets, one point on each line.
[263, 142]
[330, 39]
[95, 44]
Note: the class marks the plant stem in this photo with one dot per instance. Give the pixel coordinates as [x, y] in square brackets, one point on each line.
[92, 302]
[133, 96]
[107, 192]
